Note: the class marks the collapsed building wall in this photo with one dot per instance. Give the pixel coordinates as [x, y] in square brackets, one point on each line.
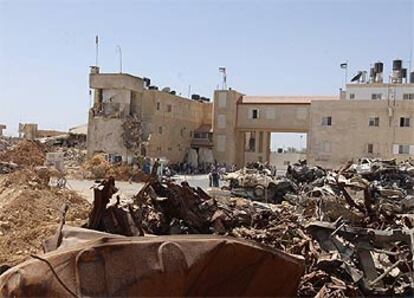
[105, 135]
[128, 119]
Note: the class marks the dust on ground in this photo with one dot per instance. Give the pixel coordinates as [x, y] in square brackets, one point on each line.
[30, 213]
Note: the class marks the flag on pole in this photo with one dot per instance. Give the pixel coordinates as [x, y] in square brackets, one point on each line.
[223, 70]
[344, 65]
[96, 39]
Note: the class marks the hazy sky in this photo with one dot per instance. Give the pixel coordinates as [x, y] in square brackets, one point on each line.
[268, 48]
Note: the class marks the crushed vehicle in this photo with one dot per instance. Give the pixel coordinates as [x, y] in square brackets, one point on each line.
[259, 185]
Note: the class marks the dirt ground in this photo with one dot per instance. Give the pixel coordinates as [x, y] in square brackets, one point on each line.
[30, 213]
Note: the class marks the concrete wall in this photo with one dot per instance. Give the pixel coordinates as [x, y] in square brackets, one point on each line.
[234, 119]
[281, 160]
[167, 121]
[274, 117]
[105, 135]
[388, 91]
[349, 135]
[226, 139]
[115, 81]
[178, 118]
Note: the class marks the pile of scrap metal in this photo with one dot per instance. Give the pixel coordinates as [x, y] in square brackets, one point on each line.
[85, 262]
[301, 172]
[364, 230]
[353, 228]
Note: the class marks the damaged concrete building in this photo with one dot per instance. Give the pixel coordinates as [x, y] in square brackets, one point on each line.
[371, 118]
[130, 118]
[31, 131]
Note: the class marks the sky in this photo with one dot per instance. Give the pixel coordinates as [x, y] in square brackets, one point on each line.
[267, 47]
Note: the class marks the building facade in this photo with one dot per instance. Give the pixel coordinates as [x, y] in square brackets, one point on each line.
[370, 118]
[130, 118]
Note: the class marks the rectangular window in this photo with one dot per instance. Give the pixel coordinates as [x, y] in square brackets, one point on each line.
[373, 121]
[160, 130]
[352, 96]
[254, 114]
[370, 149]
[404, 122]
[158, 148]
[408, 96]
[376, 96]
[403, 149]
[169, 108]
[222, 102]
[169, 149]
[221, 121]
[327, 121]
[158, 106]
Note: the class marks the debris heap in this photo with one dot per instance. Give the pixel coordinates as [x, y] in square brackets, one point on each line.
[353, 226]
[24, 153]
[98, 167]
[29, 212]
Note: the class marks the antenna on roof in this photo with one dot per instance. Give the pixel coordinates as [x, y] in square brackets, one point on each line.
[223, 71]
[344, 66]
[120, 57]
[96, 44]
[189, 91]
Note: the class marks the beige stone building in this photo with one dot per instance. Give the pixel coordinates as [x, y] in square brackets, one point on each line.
[129, 118]
[368, 119]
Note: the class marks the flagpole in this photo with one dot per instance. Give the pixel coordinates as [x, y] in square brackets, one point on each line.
[346, 72]
[97, 43]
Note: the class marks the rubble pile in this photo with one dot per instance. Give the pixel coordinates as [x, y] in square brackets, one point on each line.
[353, 226]
[132, 133]
[98, 167]
[5, 143]
[73, 158]
[68, 140]
[30, 212]
[25, 153]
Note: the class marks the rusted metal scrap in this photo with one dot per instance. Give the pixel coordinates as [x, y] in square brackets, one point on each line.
[112, 218]
[174, 266]
[379, 261]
